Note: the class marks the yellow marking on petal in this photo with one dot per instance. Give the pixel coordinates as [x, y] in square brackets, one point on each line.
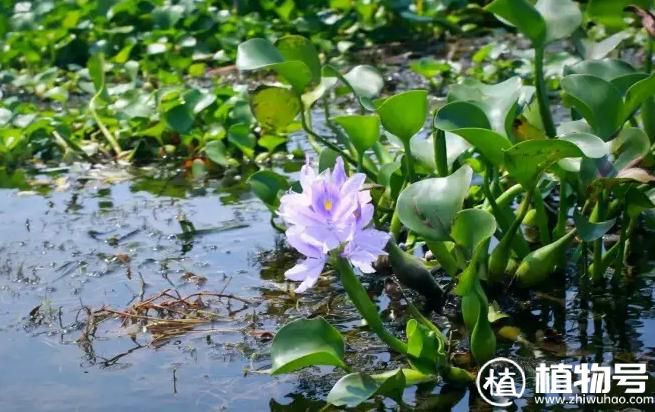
[327, 204]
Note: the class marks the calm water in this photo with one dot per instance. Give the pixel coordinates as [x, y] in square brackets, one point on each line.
[83, 239]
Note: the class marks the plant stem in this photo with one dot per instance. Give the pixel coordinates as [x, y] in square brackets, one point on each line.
[364, 305]
[440, 153]
[648, 107]
[542, 219]
[409, 162]
[562, 213]
[542, 92]
[598, 272]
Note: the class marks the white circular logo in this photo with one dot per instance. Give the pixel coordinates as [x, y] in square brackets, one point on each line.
[500, 381]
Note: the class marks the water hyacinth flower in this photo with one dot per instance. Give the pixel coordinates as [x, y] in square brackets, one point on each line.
[332, 212]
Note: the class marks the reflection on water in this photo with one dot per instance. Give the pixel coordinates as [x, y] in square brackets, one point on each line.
[75, 241]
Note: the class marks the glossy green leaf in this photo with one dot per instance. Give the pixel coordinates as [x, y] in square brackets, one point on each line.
[365, 80]
[327, 159]
[422, 346]
[562, 18]
[597, 100]
[606, 69]
[356, 388]
[179, 118]
[500, 102]
[299, 48]
[428, 207]
[216, 152]
[274, 107]
[629, 146]
[598, 50]
[636, 95]
[306, 342]
[362, 130]
[422, 148]
[472, 226]
[526, 161]
[404, 114]
[267, 186]
[257, 54]
[469, 121]
[239, 135]
[523, 15]
[589, 231]
[592, 146]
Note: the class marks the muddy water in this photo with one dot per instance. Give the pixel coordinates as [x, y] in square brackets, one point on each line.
[81, 239]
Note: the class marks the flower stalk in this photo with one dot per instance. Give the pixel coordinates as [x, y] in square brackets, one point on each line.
[364, 305]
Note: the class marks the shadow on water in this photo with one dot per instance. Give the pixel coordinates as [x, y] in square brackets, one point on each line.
[76, 241]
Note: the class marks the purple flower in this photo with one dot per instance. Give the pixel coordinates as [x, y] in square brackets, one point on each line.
[331, 212]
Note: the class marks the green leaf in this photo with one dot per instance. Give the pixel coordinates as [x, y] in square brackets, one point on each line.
[404, 114]
[631, 144]
[258, 54]
[216, 152]
[422, 347]
[239, 135]
[294, 47]
[271, 142]
[526, 161]
[428, 207]
[588, 231]
[469, 121]
[471, 227]
[96, 67]
[607, 69]
[180, 118]
[562, 18]
[499, 102]
[592, 146]
[306, 342]
[327, 159]
[274, 107]
[598, 50]
[267, 186]
[597, 100]
[636, 95]
[483, 339]
[522, 15]
[356, 388]
[363, 130]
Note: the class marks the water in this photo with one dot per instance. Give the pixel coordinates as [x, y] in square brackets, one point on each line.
[78, 240]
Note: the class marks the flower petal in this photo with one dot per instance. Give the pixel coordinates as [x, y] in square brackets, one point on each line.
[308, 271]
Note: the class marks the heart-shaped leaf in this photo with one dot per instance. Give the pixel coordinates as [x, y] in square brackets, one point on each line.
[365, 80]
[429, 206]
[522, 15]
[472, 226]
[299, 48]
[526, 161]
[588, 231]
[299, 71]
[239, 135]
[306, 342]
[422, 346]
[267, 186]
[274, 107]
[636, 95]
[592, 146]
[216, 152]
[469, 121]
[404, 114]
[562, 18]
[629, 146]
[597, 100]
[500, 102]
[356, 388]
[363, 130]
[597, 50]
